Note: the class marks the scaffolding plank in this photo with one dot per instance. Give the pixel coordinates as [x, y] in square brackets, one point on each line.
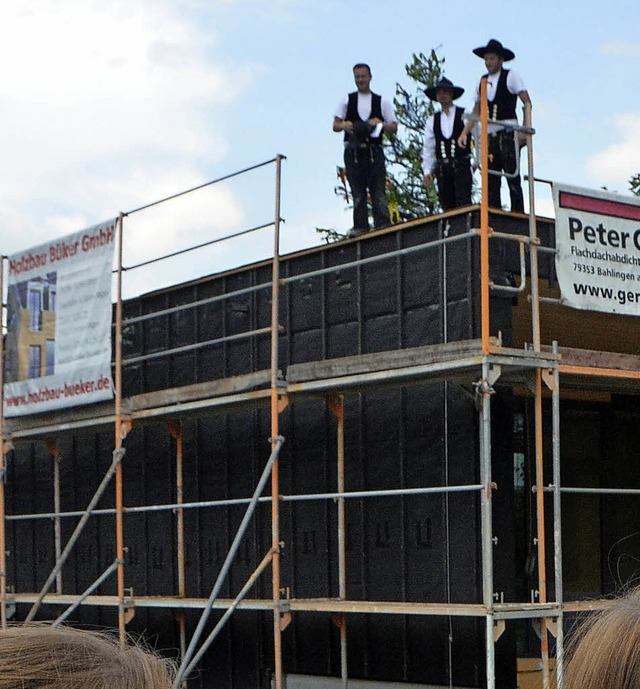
[598, 359]
[381, 361]
[200, 391]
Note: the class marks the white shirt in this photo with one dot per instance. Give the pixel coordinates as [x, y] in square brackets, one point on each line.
[515, 85]
[364, 110]
[429, 144]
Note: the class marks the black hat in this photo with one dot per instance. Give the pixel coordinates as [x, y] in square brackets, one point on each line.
[494, 46]
[444, 83]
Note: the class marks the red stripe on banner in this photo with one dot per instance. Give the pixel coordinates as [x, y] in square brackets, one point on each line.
[615, 209]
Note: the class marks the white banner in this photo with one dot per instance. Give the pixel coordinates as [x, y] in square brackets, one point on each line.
[58, 343]
[598, 249]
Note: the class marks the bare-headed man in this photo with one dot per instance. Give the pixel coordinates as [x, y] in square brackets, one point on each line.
[364, 117]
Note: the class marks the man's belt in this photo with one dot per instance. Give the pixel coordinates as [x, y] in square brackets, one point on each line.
[453, 161]
[361, 146]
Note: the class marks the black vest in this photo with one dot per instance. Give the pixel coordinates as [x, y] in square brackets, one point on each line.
[376, 111]
[448, 148]
[503, 105]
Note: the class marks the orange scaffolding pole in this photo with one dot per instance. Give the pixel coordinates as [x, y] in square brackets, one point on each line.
[175, 430]
[484, 218]
[275, 432]
[336, 407]
[120, 432]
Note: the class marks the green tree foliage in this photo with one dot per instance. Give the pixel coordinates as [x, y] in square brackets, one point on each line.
[404, 151]
[634, 184]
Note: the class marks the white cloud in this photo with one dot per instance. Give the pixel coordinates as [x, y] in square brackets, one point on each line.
[620, 49]
[614, 166]
[107, 104]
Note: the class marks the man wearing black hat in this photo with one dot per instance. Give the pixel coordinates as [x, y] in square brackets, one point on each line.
[441, 154]
[364, 117]
[504, 87]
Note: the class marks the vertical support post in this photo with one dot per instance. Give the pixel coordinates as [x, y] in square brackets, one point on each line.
[486, 517]
[3, 471]
[533, 245]
[535, 332]
[120, 432]
[57, 525]
[52, 446]
[336, 406]
[275, 431]
[484, 218]
[557, 520]
[542, 562]
[175, 430]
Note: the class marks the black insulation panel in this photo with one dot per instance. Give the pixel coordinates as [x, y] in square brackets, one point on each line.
[414, 548]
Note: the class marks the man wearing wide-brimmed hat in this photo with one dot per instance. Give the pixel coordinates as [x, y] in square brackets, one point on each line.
[441, 155]
[504, 88]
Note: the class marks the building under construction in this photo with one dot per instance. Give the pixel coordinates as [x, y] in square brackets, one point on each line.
[397, 458]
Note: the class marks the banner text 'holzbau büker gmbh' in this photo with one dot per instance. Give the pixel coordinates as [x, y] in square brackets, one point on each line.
[58, 343]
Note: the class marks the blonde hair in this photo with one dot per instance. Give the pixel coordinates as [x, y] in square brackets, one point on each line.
[44, 657]
[605, 652]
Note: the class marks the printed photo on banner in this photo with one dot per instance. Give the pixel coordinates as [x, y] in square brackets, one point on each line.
[58, 342]
[598, 249]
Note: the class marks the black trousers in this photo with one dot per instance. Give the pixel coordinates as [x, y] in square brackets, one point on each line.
[366, 172]
[454, 182]
[503, 158]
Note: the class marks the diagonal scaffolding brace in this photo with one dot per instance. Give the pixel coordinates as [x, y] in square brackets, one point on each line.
[87, 592]
[266, 560]
[226, 565]
[117, 459]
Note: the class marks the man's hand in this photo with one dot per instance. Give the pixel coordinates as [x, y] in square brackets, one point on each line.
[373, 121]
[462, 140]
[428, 180]
[342, 125]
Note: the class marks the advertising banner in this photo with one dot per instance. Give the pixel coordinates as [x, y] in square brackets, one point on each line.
[58, 342]
[598, 249]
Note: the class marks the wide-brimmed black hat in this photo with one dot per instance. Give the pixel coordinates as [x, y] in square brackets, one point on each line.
[444, 83]
[494, 46]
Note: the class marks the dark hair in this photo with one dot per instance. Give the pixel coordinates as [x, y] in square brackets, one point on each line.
[364, 65]
[605, 651]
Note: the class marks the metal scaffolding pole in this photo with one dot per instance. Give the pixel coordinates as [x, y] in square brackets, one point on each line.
[226, 565]
[540, 520]
[115, 463]
[485, 230]
[336, 406]
[175, 430]
[533, 245]
[120, 432]
[484, 392]
[266, 560]
[52, 446]
[557, 519]
[85, 594]
[278, 621]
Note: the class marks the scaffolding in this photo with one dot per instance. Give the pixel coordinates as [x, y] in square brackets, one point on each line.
[483, 362]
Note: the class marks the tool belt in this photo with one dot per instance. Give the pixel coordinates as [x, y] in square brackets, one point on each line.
[455, 163]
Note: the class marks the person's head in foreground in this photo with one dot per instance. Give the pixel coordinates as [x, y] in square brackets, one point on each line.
[605, 652]
[44, 657]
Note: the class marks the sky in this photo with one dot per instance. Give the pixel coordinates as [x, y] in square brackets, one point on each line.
[109, 106]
